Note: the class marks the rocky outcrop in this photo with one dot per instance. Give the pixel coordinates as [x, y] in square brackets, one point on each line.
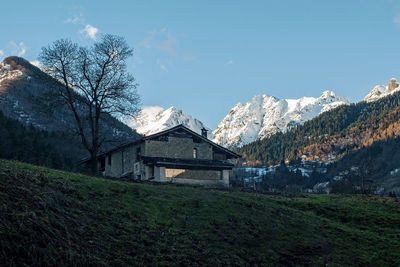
[380, 91]
[393, 84]
[155, 119]
[265, 115]
[23, 88]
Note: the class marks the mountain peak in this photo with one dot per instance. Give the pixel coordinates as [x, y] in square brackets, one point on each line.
[172, 108]
[155, 119]
[14, 67]
[22, 84]
[380, 91]
[14, 60]
[327, 93]
[9, 71]
[393, 84]
[264, 115]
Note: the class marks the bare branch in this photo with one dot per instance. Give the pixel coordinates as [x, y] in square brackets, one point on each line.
[93, 83]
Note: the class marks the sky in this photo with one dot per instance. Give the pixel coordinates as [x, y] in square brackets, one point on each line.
[206, 56]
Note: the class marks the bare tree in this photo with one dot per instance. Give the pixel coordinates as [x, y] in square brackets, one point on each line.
[93, 83]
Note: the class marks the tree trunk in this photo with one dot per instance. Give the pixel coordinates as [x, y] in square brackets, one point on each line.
[93, 162]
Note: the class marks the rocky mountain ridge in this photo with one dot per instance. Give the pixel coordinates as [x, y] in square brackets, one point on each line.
[264, 115]
[155, 119]
[257, 119]
[23, 87]
[380, 91]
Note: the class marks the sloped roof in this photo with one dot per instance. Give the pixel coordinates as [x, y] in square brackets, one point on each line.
[173, 129]
[181, 127]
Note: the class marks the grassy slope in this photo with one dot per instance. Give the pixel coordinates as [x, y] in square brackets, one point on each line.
[49, 217]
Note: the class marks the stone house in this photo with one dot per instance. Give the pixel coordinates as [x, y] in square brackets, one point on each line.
[177, 155]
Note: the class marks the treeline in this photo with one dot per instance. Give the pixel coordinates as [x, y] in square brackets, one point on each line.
[328, 132]
[31, 145]
[285, 180]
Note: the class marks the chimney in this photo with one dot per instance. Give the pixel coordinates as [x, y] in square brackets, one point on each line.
[204, 132]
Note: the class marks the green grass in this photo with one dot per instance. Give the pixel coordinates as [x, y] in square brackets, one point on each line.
[50, 217]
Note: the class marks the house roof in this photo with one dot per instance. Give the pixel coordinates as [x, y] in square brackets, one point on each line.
[189, 163]
[173, 129]
[180, 126]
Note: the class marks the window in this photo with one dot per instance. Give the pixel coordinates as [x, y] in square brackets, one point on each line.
[138, 154]
[109, 159]
[163, 138]
[195, 153]
[196, 140]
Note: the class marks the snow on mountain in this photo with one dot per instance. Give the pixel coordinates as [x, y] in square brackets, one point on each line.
[264, 115]
[6, 73]
[22, 85]
[380, 91]
[155, 119]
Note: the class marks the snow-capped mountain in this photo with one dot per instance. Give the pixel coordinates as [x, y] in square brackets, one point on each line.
[155, 119]
[7, 73]
[22, 89]
[380, 91]
[264, 115]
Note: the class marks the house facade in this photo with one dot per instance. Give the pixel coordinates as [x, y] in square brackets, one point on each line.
[176, 155]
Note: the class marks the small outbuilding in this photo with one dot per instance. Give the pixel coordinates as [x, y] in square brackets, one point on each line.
[177, 155]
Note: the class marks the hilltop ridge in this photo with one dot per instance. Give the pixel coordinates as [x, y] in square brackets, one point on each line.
[52, 216]
[23, 91]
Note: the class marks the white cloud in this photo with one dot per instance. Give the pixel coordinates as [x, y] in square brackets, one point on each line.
[189, 57]
[160, 39]
[145, 43]
[89, 31]
[396, 20]
[161, 65]
[163, 68]
[18, 49]
[76, 19]
[229, 62]
[1, 53]
[168, 44]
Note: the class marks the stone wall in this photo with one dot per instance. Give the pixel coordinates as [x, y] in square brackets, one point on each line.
[181, 148]
[193, 174]
[122, 161]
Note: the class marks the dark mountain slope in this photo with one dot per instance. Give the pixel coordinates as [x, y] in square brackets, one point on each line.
[32, 145]
[371, 169]
[23, 91]
[331, 135]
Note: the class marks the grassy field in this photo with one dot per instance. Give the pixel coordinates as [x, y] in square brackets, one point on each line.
[50, 217]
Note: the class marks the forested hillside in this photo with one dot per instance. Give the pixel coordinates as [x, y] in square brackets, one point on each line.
[332, 135]
[25, 96]
[35, 146]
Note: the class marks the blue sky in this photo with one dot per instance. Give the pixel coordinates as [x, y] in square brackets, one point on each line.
[206, 56]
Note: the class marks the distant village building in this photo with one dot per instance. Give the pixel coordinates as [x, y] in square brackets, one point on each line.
[176, 155]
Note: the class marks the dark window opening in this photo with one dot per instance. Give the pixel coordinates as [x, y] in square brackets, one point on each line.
[102, 164]
[196, 140]
[151, 172]
[138, 154]
[163, 138]
[219, 156]
[109, 159]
